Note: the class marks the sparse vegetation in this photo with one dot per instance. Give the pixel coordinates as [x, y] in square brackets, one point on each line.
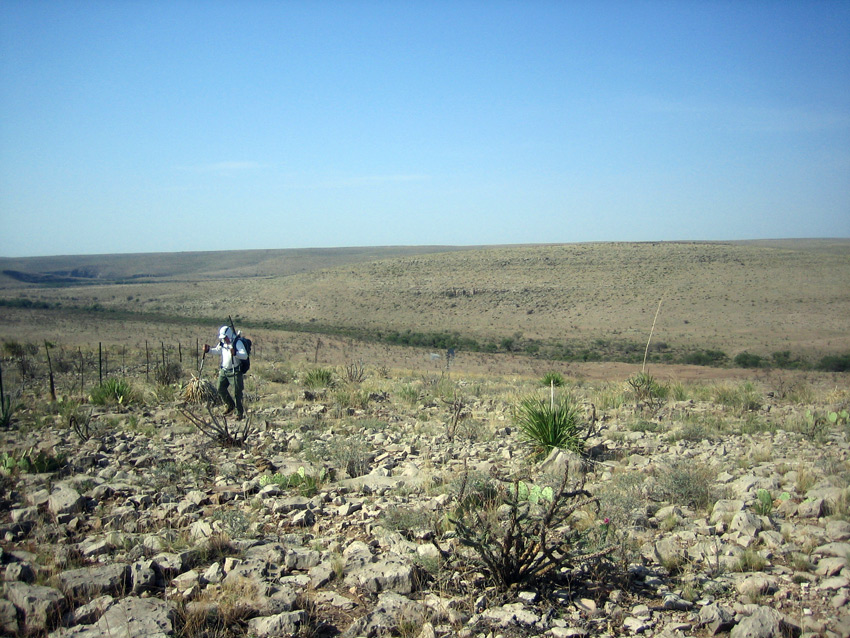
[420, 449]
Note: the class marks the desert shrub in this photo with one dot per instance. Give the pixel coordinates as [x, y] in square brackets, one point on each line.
[784, 359]
[518, 541]
[472, 490]
[351, 454]
[646, 390]
[168, 373]
[218, 429]
[688, 483]
[609, 397]
[319, 378]
[835, 363]
[113, 391]
[706, 358]
[750, 561]
[549, 424]
[277, 375]
[814, 425]
[552, 379]
[624, 498]
[355, 372]
[748, 360]
[351, 398]
[407, 519]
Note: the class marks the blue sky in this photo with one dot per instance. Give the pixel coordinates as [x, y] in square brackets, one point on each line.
[148, 126]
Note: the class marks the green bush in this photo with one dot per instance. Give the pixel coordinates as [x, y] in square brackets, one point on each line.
[835, 363]
[748, 360]
[549, 424]
[706, 358]
[113, 391]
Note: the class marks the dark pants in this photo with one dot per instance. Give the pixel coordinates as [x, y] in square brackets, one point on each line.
[225, 379]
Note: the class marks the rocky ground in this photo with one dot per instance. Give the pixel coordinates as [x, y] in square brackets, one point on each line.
[150, 528]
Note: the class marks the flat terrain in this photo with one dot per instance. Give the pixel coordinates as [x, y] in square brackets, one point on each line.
[761, 297]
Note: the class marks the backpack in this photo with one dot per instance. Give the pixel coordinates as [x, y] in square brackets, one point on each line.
[245, 364]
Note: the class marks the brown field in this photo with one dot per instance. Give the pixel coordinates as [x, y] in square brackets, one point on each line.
[761, 297]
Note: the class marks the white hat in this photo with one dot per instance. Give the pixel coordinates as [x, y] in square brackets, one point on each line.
[225, 332]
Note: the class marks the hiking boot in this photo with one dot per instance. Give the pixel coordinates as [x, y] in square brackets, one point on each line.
[239, 417]
[228, 410]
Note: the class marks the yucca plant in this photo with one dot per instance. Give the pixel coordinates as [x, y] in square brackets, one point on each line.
[555, 379]
[551, 423]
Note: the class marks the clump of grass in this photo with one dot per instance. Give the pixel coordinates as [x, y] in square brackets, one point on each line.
[688, 483]
[409, 393]
[678, 391]
[754, 424]
[744, 397]
[553, 423]
[691, 431]
[643, 425]
[750, 561]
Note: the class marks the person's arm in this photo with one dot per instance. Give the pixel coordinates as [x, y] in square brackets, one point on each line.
[241, 352]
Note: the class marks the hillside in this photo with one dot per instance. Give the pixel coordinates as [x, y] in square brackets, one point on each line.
[763, 297]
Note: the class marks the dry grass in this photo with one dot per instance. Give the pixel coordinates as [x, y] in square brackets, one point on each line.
[762, 297]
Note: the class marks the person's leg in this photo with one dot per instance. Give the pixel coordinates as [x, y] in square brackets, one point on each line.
[223, 384]
[238, 386]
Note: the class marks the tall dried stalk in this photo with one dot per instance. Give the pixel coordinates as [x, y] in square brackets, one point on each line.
[646, 352]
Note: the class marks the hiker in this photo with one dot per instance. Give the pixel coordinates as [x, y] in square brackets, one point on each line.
[233, 352]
